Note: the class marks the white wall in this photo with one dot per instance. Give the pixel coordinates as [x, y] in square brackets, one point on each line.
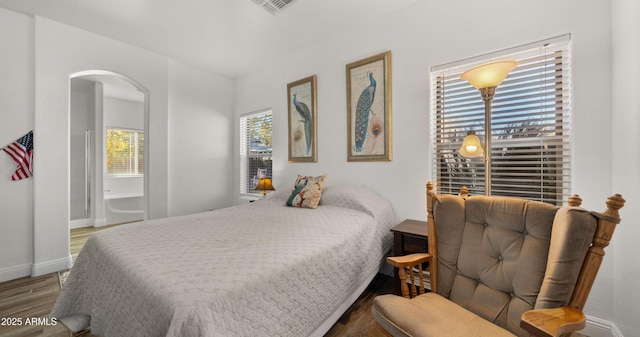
[41, 55]
[430, 33]
[16, 111]
[201, 138]
[401, 180]
[62, 50]
[123, 113]
[626, 162]
[426, 34]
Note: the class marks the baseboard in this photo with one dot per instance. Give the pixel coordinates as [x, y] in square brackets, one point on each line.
[52, 266]
[15, 272]
[598, 327]
[80, 223]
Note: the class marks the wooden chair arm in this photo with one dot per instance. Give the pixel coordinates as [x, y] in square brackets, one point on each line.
[553, 322]
[405, 265]
[408, 261]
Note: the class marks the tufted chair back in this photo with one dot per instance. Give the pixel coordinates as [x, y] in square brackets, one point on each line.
[499, 257]
[499, 267]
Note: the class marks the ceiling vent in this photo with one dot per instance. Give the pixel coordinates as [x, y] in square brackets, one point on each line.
[274, 6]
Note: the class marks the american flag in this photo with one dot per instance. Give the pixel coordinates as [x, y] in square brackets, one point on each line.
[22, 152]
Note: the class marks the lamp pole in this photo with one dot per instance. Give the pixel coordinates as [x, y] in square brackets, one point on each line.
[486, 78]
[487, 97]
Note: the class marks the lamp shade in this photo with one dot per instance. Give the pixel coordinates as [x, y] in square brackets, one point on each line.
[265, 185]
[471, 146]
[489, 74]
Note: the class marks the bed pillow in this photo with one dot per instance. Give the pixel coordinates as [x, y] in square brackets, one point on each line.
[307, 191]
[361, 199]
[354, 197]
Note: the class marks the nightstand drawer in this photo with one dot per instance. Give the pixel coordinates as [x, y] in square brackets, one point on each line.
[414, 244]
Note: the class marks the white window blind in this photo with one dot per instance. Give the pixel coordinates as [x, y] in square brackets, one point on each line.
[125, 151]
[255, 149]
[530, 125]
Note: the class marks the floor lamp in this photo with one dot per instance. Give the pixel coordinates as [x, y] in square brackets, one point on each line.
[486, 78]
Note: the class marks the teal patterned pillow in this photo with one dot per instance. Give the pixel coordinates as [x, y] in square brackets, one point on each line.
[307, 191]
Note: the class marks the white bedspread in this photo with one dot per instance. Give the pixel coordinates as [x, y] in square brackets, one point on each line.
[261, 269]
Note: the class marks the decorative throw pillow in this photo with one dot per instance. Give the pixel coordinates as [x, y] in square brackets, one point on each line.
[307, 191]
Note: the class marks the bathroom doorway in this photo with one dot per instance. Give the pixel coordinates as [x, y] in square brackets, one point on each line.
[108, 118]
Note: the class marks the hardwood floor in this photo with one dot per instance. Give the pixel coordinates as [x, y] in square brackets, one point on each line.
[358, 321]
[35, 296]
[25, 305]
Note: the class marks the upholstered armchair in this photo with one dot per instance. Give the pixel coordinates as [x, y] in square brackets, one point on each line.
[499, 266]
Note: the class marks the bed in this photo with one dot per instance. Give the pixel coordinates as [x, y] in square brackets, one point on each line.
[260, 269]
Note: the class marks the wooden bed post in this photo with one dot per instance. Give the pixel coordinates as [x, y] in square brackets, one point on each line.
[607, 222]
[431, 239]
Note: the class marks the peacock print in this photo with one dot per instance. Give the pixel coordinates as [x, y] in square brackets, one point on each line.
[304, 112]
[362, 113]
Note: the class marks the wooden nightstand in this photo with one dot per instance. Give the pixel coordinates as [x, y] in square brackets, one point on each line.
[409, 236]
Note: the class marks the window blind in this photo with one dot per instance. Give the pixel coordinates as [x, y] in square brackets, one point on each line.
[140, 150]
[530, 125]
[125, 151]
[255, 149]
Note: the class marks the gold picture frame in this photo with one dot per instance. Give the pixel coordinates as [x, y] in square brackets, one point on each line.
[369, 109]
[302, 108]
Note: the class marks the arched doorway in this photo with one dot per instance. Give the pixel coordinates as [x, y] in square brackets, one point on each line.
[108, 164]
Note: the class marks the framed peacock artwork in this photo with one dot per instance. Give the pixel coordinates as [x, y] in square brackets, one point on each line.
[301, 96]
[369, 109]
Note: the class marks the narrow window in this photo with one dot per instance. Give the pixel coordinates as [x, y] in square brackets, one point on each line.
[255, 149]
[530, 125]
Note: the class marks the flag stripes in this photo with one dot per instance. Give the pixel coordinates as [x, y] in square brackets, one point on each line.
[21, 151]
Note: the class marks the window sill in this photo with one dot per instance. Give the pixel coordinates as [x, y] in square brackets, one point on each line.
[250, 197]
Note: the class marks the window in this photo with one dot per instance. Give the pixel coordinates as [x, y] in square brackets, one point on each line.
[530, 125]
[255, 149]
[125, 151]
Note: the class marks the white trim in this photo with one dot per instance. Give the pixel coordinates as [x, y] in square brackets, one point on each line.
[80, 223]
[598, 327]
[15, 272]
[146, 129]
[113, 209]
[51, 266]
[100, 222]
[261, 111]
[83, 223]
[615, 332]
